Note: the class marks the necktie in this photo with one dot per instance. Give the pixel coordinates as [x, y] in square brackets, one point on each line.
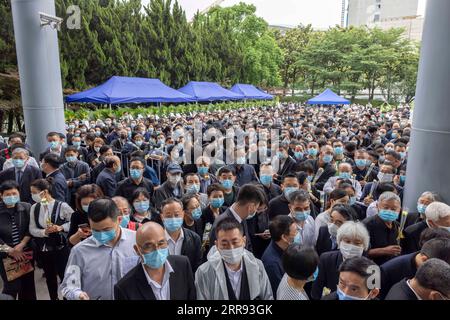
[19, 177]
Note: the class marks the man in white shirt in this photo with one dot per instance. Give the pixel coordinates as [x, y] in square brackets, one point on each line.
[96, 264]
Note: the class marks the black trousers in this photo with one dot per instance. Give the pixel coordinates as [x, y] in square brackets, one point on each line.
[54, 264]
[21, 288]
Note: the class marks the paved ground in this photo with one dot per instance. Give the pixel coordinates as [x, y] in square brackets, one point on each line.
[41, 286]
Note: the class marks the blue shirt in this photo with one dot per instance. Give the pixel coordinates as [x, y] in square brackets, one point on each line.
[95, 268]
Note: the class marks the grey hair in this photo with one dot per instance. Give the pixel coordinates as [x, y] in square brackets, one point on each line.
[389, 196]
[120, 198]
[433, 196]
[20, 150]
[434, 274]
[356, 230]
[437, 210]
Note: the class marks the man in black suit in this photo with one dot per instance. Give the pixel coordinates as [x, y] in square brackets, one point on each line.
[22, 173]
[431, 282]
[181, 241]
[160, 276]
[50, 165]
[249, 198]
[323, 167]
[406, 266]
[107, 179]
[355, 280]
[285, 163]
[54, 146]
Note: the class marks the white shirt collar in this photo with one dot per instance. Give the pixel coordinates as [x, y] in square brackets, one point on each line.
[167, 271]
[169, 238]
[417, 296]
[236, 216]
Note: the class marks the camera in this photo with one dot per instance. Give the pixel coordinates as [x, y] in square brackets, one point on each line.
[49, 20]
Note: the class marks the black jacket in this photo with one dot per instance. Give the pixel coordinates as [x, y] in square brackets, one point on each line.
[289, 166]
[411, 242]
[395, 270]
[229, 214]
[328, 273]
[106, 180]
[165, 192]
[272, 192]
[328, 172]
[60, 191]
[29, 175]
[324, 243]
[401, 291]
[134, 285]
[126, 188]
[192, 248]
[22, 219]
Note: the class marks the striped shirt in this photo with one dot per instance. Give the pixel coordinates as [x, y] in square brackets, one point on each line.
[286, 292]
[14, 230]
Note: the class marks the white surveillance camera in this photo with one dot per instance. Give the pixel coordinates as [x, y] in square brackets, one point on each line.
[49, 20]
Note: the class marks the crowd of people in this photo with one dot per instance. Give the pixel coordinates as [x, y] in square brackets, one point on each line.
[290, 203]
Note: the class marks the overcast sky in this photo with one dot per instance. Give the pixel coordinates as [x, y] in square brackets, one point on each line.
[320, 13]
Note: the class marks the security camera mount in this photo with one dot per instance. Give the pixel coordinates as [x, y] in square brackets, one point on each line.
[49, 20]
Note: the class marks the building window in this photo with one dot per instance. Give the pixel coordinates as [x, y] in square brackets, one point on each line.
[376, 18]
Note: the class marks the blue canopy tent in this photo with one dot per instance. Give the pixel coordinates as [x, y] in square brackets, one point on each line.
[251, 92]
[119, 90]
[328, 97]
[209, 91]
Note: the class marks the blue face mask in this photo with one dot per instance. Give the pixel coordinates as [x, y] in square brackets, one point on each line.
[141, 206]
[345, 175]
[193, 188]
[76, 144]
[98, 133]
[217, 202]
[297, 238]
[118, 169]
[402, 179]
[157, 258]
[352, 201]
[312, 152]
[421, 208]
[280, 155]
[361, 163]
[85, 208]
[202, 170]
[339, 150]
[314, 275]
[302, 215]
[388, 215]
[310, 178]
[125, 220]
[327, 158]
[298, 154]
[342, 296]
[54, 144]
[104, 236]
[288, 191]
[173, 224]
[18, 163]
[266, 179]
[197, 213]
[135, 174]
[139, 143]
[71, 159]
[227, 184]
[11, 200]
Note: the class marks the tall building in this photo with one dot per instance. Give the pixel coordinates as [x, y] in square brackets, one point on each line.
[387, 14]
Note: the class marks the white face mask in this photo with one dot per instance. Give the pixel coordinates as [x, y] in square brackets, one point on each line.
[385, 177]
[332, 229]
[174, 179]
[349, 250]
[232, 256]
[36, 197]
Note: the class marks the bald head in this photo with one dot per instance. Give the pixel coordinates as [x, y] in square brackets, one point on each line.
[149, 237]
